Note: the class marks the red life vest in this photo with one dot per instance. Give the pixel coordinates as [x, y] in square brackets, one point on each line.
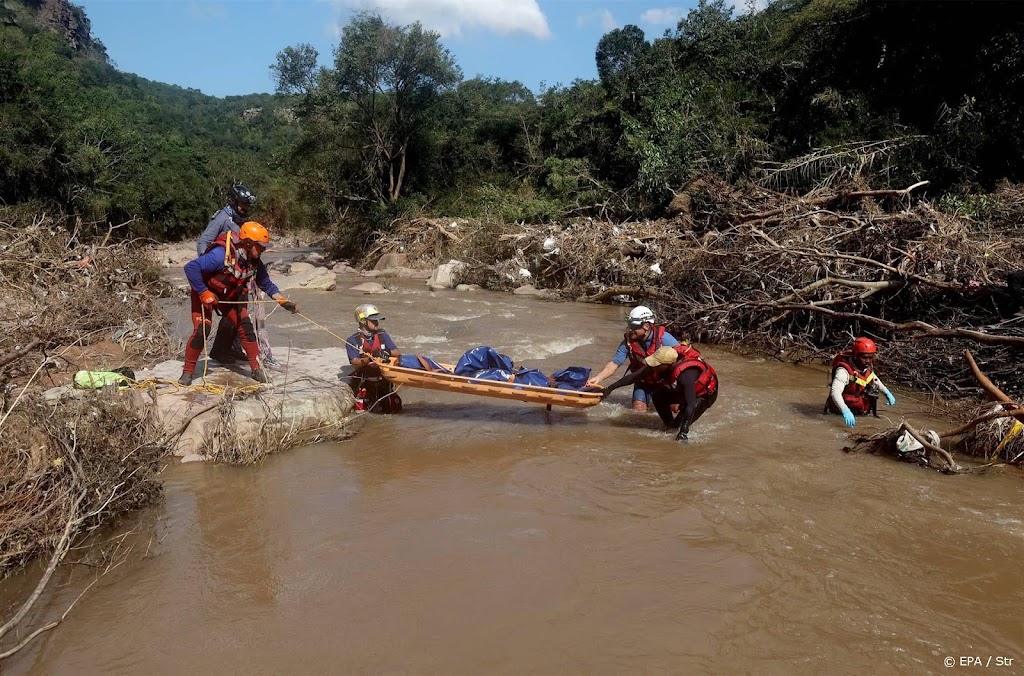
[689, 357]
[370, 346]
[375, 393]
[231, 282]
[855, 396]
[637, 352]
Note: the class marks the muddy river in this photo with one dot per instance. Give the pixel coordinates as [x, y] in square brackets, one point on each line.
[475, 536]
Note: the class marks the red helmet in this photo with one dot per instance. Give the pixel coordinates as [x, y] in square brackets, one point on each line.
[864, 346]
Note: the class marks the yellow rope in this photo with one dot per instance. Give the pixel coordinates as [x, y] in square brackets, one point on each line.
[344, 340]
[208, 388]
[212, 388]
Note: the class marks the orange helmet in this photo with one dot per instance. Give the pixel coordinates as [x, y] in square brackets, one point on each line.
[864, 346]
[254, 232]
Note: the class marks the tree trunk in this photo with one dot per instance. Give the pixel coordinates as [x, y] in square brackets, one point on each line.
[396, 185]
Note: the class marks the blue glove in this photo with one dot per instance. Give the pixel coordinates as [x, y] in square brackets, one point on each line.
[891, 398]
[848, 418]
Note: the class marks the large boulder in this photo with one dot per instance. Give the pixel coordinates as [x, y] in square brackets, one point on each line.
[530, 290]
[389, 261]
[444, 276]
[370, 287]
[307, 276]
[313, 258]
[305, 396]
[409, 273]
[174, 255]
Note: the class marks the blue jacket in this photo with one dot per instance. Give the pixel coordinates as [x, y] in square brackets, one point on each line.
[198, 270]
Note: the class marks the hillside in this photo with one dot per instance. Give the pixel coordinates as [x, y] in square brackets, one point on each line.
[79, 136]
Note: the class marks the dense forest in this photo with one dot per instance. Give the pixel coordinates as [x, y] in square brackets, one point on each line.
[800, 93]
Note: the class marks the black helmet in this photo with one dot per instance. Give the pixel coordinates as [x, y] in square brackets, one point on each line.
[240, 193]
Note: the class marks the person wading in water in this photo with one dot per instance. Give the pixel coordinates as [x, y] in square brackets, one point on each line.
[368, 342]
[643, 337]
[854, 387]
[680, 378]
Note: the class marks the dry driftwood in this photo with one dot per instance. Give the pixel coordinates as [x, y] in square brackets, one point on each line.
[65, 283]
[831, 199]
[926, 330]
[635, 291]
[990, 387]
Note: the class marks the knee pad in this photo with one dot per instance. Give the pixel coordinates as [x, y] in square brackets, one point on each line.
[245, 326]
[200, 335]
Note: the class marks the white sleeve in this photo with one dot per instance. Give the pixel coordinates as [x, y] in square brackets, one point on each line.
[881, 386]
[839, 382]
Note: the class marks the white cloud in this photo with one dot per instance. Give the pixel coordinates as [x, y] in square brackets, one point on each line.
[207, 10]
[662, 16]
[603, 17]
[744, 6]
[608, 21]
[451, 17]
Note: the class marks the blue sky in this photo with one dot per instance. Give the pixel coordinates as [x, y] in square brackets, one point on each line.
[225, 47]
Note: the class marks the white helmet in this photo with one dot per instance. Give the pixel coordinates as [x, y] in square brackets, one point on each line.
[367, 311]
[640, 315]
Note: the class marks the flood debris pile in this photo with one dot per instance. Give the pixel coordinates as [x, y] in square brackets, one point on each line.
[427, 240]
[66, 474]
[999, 437]
[797, 276]
[802, 275]
[76, 464]
[65, 286]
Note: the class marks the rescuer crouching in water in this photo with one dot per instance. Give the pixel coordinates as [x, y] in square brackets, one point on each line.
[372, 391]
[854, 387]
[223, 274]
[680, 377]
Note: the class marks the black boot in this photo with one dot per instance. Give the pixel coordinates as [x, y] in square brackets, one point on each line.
[260, 376]
[185, 379]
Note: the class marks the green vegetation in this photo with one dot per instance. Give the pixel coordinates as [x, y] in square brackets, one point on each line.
[803, 93]
[79, 137]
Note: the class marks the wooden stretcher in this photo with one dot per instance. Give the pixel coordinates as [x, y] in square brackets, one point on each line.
[447, 382]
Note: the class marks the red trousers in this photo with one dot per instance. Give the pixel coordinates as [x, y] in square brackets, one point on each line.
[202, 324]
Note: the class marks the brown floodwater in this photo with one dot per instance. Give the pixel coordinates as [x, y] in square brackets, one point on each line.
[473, 536]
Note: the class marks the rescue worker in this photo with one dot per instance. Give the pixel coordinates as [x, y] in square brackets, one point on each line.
[229, 219]
[854, 387]
[240, 200]
[643, 337]
[679, 377]
[370, 340]
[223, 273]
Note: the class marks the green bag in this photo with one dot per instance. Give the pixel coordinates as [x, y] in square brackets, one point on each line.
[94, 380]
